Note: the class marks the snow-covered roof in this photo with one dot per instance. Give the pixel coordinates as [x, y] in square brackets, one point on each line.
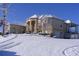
[34, 16]
[68, 21]
[48, 15]
[41, 16]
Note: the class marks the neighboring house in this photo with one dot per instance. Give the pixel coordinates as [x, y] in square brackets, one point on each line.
[14, 28]
[17, 29]
[5, 26]
[51, 25]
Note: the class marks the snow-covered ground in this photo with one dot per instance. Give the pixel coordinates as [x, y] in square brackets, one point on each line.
[38, 45]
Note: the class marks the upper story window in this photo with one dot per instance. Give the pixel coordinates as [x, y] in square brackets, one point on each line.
[61, 25]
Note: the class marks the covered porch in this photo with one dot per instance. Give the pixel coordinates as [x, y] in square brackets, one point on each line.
[72, 31]
[32, 26]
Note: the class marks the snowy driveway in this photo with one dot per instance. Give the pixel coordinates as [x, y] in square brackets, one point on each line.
[37, 45]
[8, 42]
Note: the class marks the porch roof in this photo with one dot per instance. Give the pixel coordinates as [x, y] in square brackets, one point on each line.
[72, 24]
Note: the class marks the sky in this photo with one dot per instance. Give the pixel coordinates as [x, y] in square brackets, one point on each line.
[18, 13]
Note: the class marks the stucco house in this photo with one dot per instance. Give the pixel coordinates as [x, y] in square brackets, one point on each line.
[14, 28]
[17, 29]
[50, 25]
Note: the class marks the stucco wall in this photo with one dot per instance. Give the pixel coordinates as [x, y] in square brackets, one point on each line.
[17, 28]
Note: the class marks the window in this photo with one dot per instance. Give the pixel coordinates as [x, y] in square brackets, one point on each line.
[61, 25]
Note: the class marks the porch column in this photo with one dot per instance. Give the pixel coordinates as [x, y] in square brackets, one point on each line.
[27, 28]
[43, 28]
[36, 26]
[30, 26]
[76, 29]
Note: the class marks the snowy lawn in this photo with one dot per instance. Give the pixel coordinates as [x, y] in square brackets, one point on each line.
[37, 45]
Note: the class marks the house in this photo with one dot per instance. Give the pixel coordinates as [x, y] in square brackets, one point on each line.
[17, 29]
[50, 25]
[5, 27]
[11, 28]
